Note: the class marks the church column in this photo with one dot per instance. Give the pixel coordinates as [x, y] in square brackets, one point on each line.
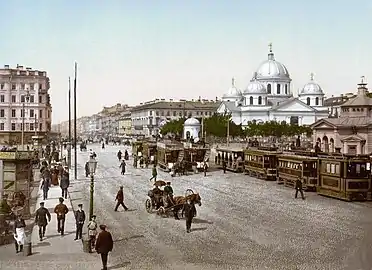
[345, 148]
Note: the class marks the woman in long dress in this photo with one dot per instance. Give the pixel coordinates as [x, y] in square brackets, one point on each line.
[55, 173]
[19, 233]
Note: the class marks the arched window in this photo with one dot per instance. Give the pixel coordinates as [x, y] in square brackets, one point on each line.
[251, 100]
[188, 135]
[269, 88]
[286, 89]
[278, 89]
[308, 101]
[316, 101]
[259, 100]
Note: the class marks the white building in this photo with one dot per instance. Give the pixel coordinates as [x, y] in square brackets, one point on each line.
[191, 129]
[23, 88]
[269, 96]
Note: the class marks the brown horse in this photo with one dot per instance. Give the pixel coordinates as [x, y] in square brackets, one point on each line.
[179, 201]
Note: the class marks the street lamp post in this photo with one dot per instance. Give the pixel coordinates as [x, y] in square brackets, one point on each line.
[92, 169]
[26, 98]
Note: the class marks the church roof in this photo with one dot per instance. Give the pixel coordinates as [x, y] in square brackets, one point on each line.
[347, 121]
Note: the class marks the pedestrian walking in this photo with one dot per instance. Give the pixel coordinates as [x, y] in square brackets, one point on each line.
[42, 217]
[122, 166]
[189, 212]
[61, 210]
[92, 231]
[299, 188]
[205, 168]
[65, 182]
[154, 173]
[19, 233]
[80, 219]
[224, 166]
[120, 200]
[119, 155]
[126, 155]
[87, 168]
[45, 187]
[104, 245]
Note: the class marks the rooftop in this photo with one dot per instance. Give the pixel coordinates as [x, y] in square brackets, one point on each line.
[179, 104]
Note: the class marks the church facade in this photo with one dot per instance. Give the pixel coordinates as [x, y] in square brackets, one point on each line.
[269, 96]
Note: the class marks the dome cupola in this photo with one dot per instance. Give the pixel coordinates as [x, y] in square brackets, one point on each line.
[311, 88]
[233, 93]
[255, 87]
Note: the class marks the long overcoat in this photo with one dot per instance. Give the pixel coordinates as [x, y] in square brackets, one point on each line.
[104, 242]
[42, 216]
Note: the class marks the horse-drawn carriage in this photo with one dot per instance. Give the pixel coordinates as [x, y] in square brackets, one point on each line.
[163, 204]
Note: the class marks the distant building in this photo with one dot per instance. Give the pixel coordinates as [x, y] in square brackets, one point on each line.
[125, 123]
[334, 104]
[147, 117]
[269, 96]
[24, 88]
[351, 132]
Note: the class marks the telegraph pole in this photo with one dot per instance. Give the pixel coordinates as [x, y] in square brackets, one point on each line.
[228, 132]
[69, 125]
[75, 118]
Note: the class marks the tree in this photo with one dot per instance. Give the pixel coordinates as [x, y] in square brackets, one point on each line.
[174, 127]
[216, 125]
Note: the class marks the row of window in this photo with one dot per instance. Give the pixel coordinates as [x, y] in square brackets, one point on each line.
[316, 101]
[180, 113]
[278, 88]
[356, 109]
[14, 113]
[259, 100]
[21, 86]
[22, 99]
[16, 126]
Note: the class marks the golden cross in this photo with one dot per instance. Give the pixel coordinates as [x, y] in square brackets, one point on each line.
[362, 78]
[312, 76]
[271, 47]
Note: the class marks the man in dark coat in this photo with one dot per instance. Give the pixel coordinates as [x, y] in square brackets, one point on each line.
[299, 188]
[189, 212]
[120, 200]
[122, 166]
[87, 169]
[42, 217]
[80, 219]
[205, 168]
[119, 155]
[224, 166]
[154, 173]
[61, 210]
[65, 183]
[104, 245]
[45, 187]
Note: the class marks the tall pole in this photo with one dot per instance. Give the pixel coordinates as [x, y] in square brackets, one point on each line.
[23, 126]
[228, 132]
[75, 125]
[91, 196]
[69, 125]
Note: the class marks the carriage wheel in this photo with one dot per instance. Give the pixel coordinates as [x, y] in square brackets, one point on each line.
[148, 206]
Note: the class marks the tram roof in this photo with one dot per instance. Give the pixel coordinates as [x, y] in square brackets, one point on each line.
[230, 149]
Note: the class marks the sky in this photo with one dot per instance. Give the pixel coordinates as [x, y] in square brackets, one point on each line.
[135, 51]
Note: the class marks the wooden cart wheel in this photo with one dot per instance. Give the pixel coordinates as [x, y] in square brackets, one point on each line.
[148, 205]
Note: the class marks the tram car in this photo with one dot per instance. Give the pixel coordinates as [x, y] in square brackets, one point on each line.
[168, 154]
[137, 148]
[234, 158]
[261, 162]
[195, 155]
[299, 164]
[149, 151]
[345, 177]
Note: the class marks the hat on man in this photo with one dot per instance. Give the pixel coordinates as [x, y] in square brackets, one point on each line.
[168, 183]
[121, 187]
[80, 205]
[42, 203]
[102, 227]
[61, 199]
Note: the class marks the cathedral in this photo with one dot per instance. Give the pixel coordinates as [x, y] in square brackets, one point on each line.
[269, 96]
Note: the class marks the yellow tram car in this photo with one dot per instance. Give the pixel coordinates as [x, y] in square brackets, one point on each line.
[292, 165]
[168, 154]
[345, 177]
[234, 158]
[261, 162]
[195, 155]
[149, 151]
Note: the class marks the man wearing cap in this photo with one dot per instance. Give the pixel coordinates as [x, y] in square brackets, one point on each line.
[104, 245]
[120, 200]
[61, 210]
[168, 191]
[41, 220]
[80, 219]
[65, 182]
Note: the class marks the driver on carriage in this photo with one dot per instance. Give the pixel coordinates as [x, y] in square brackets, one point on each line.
[168, 191]
[156, 191]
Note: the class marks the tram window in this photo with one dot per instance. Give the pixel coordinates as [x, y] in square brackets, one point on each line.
[337, 169]
[333, 168]
[328, 168]
[368, 166]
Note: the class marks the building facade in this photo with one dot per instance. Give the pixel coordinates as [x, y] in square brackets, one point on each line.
[351, 132]
[125, 123]
[269, 96]
[24, 98]
[148, 117]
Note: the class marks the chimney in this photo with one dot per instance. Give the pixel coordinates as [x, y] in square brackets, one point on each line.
[199, 98]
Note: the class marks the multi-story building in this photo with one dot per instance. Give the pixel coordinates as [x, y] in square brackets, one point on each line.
[148, 116]
[110, 119]
[125, 123]
[24, 98]
[334, 104]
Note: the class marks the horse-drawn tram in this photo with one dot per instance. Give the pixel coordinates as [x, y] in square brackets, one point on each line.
[168, 154]
[149, 151]
[293, 165]
[345, 177]
[195, 155]
[234, 158]
[261, 162]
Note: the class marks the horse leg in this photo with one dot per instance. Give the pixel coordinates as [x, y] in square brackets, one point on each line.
[175, 212]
